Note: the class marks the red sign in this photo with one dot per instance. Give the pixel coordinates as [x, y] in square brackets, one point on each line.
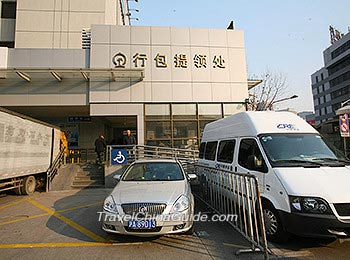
[344, 125]
[311, 122]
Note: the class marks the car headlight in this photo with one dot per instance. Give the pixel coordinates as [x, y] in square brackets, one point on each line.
[109, 205]
[181, 204]
[309, 205]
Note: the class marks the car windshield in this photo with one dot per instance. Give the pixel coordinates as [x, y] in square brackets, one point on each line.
[154, 171]
[300, 150]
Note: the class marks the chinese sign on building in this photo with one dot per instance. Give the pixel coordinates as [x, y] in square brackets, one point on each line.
[180, 60]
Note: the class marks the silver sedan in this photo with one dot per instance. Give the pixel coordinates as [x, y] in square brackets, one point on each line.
[152, 197]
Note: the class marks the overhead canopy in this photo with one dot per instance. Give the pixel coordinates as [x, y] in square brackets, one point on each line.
[343, 110]
[84, 74]
[253, 83]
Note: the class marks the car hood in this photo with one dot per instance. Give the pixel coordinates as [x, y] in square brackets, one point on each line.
[330, 183]
[156, 191]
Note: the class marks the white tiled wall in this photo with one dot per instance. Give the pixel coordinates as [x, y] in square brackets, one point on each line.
[172, 84]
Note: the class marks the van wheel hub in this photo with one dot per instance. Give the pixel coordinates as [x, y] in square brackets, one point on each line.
[271, 222]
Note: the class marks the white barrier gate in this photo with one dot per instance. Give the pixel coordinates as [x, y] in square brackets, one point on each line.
[237, 194]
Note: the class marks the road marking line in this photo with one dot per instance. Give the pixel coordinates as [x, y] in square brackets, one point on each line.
[47, 214]
[12, 203]
[79, 207]
[68, 221]
[79, 244]
[23, 219]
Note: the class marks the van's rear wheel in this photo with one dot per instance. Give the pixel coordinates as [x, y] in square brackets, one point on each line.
[29, 185]
[273, 225]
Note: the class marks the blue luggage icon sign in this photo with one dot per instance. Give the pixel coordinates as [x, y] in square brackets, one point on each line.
[119, 156]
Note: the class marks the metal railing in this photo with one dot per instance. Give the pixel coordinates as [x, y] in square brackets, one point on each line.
[52, 171]
[81, 155]
[137, 152]
[231, 193]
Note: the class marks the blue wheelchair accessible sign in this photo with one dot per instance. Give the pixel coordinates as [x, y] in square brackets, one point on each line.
[119, 156]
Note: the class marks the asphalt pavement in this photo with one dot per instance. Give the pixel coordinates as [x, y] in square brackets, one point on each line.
[64, 225]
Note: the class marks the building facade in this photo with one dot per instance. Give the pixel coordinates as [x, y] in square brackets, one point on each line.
[163, 83]
[331, 84]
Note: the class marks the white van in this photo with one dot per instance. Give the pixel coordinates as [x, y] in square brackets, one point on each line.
[304, 183]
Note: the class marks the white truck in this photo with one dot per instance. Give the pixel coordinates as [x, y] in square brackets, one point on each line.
[304, 183]
[28, 148]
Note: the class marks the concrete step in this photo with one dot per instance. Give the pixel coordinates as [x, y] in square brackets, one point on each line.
[90, 175]
[92, 186]
[90, 172]
[89, 178]
[88, 182]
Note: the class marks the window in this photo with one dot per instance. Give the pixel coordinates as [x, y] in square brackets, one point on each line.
[185, 129]
[341, 92]
[340, 65]
[340, 79]
[316, 79]
[335, 106]
[209, 111]
[320, 89]
[322, 76]
[201, 150]
[157, 112]
[340, 49]
[184, 111]
[329, 110]
[210, 151]
[250, 156]
[156, 130]
[230, 109]
[181, 125]
[8, 10]
[226, 150]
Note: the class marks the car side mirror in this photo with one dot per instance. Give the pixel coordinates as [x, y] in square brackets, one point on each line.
[192, 176]
[253, 162]
[117, 177]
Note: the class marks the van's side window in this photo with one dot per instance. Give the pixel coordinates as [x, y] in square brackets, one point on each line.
[201, 150]
[225, 151]
[250, 156]
[210, 150]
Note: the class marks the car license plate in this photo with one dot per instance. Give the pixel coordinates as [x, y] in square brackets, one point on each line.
[142, 224]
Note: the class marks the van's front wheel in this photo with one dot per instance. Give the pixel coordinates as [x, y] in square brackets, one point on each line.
[273, 225]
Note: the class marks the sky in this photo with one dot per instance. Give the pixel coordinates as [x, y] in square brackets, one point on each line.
[285, 36]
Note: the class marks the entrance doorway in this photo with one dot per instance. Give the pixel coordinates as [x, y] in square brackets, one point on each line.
[119, 125]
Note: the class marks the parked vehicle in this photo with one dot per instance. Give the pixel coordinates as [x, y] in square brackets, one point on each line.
[152, 197]
[304, 182]
[27, 149]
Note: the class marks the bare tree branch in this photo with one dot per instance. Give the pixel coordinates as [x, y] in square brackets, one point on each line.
[271, 89]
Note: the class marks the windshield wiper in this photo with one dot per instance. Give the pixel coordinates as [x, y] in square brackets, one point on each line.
[331, 159]
[299, 161]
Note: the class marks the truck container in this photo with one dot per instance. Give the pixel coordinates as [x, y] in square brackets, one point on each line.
[28, 148]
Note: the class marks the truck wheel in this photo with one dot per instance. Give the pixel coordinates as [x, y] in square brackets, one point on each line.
[29, 185]
[273, 225]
